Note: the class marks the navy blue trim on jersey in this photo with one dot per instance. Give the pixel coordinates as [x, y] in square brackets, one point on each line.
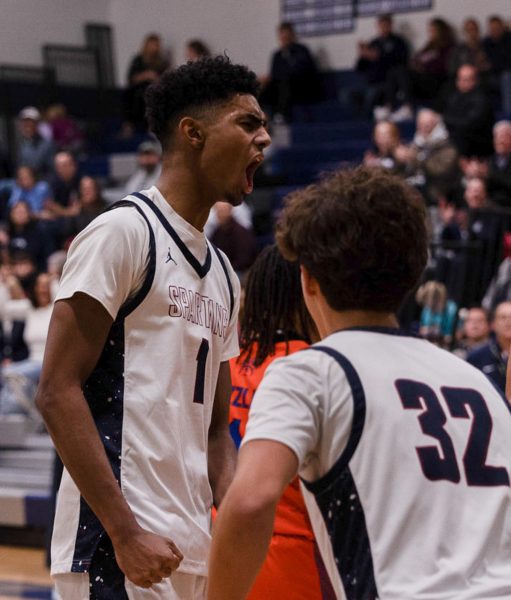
[338, 501]
[137, 299]
[104, 392]
[201, 270]
[106, 580]
[229, 284]
[359, 415]
[382, 329]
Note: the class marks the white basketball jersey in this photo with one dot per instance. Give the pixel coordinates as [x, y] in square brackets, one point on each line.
[151, 394]
[405, 459]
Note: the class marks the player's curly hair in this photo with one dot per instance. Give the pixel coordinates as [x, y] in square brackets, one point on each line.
[361, 234]
[193, 87]
[274, 307]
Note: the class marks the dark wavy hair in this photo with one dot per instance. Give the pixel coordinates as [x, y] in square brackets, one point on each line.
[274, 307]
[193, 87]
[361, 234]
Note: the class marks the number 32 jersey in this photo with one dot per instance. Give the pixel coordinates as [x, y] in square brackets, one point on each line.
[405, 459]
[174, 301]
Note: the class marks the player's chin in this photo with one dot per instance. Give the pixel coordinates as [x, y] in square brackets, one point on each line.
[234, 199]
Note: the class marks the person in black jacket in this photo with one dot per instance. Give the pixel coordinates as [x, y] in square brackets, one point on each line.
[376, 58]
[491, 358]
[468, 115]
[294, 78]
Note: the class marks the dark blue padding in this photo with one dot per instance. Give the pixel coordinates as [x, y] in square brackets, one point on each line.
[338, 501]
[201, 270]
[131, 304]
[229, 283]
[359, 415]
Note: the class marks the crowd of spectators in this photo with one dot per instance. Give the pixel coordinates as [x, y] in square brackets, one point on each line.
[459, 159]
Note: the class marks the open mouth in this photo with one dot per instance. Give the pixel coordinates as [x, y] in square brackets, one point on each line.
[249, 174]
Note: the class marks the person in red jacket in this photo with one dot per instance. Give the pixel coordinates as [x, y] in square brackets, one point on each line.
[276, 323]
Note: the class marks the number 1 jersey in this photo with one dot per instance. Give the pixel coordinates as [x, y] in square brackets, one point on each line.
[174, 301]
[405, 459]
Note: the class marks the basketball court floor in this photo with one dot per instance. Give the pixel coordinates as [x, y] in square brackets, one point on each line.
[23, 574]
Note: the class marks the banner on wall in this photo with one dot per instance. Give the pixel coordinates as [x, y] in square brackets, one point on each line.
[325, 17]
[319, 17]
[371, 8]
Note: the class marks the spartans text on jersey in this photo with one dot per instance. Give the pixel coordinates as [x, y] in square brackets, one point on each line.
[198, 309]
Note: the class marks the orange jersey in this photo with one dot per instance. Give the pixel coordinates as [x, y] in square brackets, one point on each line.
[291, 517]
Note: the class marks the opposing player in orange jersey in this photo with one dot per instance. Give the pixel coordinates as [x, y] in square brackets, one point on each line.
[276, 323]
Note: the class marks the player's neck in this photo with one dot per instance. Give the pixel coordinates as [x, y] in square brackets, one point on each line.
[183, 190]
[331, 321]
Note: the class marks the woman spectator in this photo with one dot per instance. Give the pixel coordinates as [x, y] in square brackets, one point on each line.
[90, 204]
[423, 80]
[388, 151]
[27, 188]
[21, 377]
[275, 323]
[470, 51]
[145, 68]
[25, 234]
[195, 50]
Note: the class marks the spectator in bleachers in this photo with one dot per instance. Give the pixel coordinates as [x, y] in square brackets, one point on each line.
[388, 151]
[26, 234]
[28, 189]
[421, 83]
[468, 115]
[438, 316]
[64, 183]
[12, 345]
[238, 242]
[66, 133]
[465, 221]
[148, 169]
[33, 149]
[497, 45]
[90, 205]
[21, 377]
[432, 161]
[470, 51]
[377, 57]
[497, 170]
[491, 358]
[474, 330]
[195, 50]
[145, 68]
[293, 79]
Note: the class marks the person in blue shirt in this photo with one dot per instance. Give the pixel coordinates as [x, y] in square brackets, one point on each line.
[28, 189]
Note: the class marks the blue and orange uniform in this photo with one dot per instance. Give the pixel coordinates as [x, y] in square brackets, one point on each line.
[292, 568]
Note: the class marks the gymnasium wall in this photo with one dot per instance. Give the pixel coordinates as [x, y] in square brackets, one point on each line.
[26, 25]
[245, 29]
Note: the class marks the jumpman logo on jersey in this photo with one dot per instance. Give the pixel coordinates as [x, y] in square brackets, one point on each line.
[169, 258]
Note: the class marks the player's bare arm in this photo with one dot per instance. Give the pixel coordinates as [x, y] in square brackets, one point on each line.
[244, 524]
[77, 334]
[221, 450]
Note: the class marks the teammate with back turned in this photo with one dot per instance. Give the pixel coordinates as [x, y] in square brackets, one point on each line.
[136, 383]
[402, 448]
